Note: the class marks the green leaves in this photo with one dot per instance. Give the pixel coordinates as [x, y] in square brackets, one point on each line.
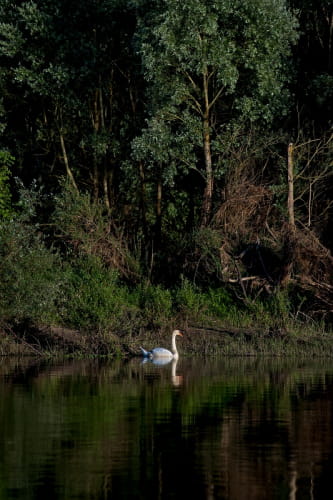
[11, 40]
[208, 65]
[6, 162]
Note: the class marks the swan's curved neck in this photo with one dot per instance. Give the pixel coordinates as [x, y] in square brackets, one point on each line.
[174, 347]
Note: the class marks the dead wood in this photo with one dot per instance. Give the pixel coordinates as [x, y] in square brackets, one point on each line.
[260, 254]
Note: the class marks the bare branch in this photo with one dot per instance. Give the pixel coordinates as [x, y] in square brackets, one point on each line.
[217, 95]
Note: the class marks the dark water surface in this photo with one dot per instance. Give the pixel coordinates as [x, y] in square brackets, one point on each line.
[239, 428]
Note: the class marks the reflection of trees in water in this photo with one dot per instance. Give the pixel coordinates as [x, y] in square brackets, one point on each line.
[269, 445]
[246, 426]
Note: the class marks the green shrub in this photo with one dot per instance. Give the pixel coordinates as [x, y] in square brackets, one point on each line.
[30, 271]
[189, 300]
[87, 229]
[6, 161]
[273, 311]
[30, 274]
[93, 298]
[155, 303]
[219, 302]
[279, 304]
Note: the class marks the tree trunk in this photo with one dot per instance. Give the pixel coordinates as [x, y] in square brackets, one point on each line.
[158, 224]
[143, 201]
[95, 180]
[291, 214]
[208, 192]
[65, 158]
[106, 190]
[289, 234]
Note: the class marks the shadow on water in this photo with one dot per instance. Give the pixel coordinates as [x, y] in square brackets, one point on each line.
[228, 428]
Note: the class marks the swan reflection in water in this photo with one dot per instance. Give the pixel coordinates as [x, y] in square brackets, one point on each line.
[161, 356]
[176, 380]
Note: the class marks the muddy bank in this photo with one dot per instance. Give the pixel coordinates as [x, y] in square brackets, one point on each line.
[25, 339]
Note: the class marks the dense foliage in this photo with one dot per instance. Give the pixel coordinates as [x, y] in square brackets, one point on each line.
[145, 144]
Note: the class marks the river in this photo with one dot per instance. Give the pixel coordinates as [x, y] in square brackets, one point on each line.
[202, 428]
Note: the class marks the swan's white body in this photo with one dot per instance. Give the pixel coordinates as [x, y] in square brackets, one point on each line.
[160, 352]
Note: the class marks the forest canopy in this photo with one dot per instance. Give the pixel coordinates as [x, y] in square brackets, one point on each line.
[166, 143]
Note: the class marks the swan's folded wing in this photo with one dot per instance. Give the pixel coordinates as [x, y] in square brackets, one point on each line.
[160, 352]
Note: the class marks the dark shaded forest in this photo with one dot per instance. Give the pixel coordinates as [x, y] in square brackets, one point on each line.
[163, 158]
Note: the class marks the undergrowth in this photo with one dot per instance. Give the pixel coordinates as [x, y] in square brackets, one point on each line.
[71, 287]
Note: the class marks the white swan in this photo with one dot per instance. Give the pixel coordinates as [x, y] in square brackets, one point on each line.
[160, 352]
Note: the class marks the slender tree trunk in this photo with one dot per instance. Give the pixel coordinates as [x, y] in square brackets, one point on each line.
[106, 190]
[143, 202]
[208, 192]
[330, 39]
[158, 225]
[97, 117]
[291, 213]
[95, 180]
[290, 233]
[65, 158]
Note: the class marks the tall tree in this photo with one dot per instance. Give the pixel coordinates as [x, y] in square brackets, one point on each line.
[67, 71]
[209, 64]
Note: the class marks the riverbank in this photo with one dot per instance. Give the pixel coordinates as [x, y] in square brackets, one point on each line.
[209, 340]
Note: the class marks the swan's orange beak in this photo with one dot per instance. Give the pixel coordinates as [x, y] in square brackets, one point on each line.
[179, 333]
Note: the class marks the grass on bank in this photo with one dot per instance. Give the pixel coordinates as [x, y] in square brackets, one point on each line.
[82, 308]
[45, 291]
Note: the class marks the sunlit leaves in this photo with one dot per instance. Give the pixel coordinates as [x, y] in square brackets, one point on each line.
[222, 61]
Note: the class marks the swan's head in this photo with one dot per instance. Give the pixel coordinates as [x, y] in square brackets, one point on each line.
[177, 332]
